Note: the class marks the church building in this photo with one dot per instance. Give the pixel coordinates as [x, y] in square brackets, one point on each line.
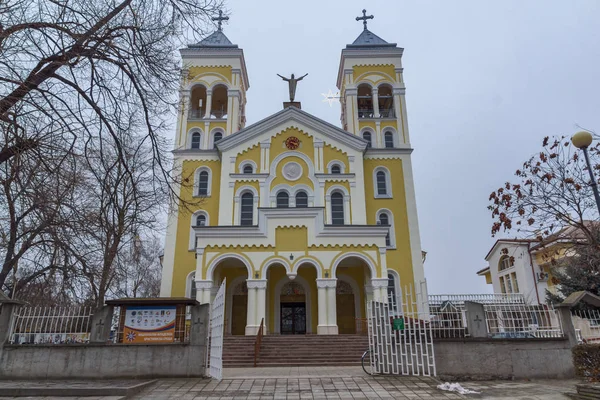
[306, 221]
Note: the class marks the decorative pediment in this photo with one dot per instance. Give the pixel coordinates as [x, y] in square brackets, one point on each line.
[293, 117]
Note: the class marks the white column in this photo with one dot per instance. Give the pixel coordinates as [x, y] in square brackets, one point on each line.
[375, 98]
[322, 300]
[251, 327]
[233, 110]
[259, 288]
[351, 110]
[327, 307]
[379, 289]
[203, 288]
[208, 103]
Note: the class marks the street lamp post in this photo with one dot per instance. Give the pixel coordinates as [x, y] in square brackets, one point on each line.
[582, 140]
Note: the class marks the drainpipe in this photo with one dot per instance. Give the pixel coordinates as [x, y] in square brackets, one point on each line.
[537, 294]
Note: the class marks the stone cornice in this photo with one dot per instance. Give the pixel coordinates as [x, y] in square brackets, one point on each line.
[379, 282]
[256, 283]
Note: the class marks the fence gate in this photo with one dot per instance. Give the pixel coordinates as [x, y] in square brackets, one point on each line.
[400, 336]
[217, 317]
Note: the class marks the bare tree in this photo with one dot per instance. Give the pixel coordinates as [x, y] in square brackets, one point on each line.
[83, 81]
[139, 270]
[552, 193]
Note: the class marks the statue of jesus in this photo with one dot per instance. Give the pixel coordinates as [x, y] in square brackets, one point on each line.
[292, 82]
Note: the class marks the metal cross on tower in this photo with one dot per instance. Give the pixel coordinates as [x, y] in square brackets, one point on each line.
[364, 18]
[220, 18]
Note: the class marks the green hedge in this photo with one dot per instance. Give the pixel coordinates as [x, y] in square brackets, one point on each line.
[586, 359]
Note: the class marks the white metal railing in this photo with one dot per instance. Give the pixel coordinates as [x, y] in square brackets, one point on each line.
[521, 321]
[485, 298]
[51, 325]
[587, 325]
[448, 315]
[506, 315]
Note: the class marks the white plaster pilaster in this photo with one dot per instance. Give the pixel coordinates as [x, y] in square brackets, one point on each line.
[182, 118]
[264, 157]
[250, 313]
[351, 109]
[357, 192]
[203, 290]
[319, 167]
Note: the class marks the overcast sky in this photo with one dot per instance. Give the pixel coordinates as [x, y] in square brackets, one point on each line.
[486, 81]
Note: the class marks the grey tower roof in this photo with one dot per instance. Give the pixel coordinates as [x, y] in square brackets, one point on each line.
[216, 40]
[368, 39]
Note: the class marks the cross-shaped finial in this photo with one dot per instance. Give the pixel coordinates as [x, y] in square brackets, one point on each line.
[364, 18]
[220, 18]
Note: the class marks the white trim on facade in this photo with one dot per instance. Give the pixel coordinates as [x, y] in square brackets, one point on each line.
[330, 191]
[217, 260]
[237, 212]
[338, 162]
[192, 242]
[343, 256]
[244, 164]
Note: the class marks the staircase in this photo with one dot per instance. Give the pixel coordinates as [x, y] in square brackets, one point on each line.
[294, 350]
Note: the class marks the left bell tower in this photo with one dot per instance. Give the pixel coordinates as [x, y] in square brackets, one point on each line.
[213, 89]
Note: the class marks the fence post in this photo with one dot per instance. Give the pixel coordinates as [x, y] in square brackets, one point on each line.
[566, 322]
[476, 323]
[101, 324]
[199, 327]
[7, 311]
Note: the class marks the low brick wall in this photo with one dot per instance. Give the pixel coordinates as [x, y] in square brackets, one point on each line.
[465, 359]
[101, 361]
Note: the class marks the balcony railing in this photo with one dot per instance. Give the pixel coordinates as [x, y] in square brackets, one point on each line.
[214, 114]
[366, 113]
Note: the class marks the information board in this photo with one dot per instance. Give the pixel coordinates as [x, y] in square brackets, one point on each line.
[149, 324]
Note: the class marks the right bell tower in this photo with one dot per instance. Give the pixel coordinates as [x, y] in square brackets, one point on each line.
[372, 90]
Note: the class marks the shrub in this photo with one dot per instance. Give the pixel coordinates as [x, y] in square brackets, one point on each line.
[586, 359]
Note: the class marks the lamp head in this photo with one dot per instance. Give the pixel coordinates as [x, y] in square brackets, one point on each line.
[582, 139]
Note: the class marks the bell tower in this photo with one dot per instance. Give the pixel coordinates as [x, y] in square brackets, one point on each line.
[372, 90]
[214, 82]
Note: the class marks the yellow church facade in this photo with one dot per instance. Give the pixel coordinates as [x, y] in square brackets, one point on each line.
[305, 220]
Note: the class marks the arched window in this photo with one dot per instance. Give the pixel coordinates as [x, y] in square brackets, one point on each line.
[203, 183]
[381, 183]
[367, 137]
[385, 220]
[246, 215]
[393, 295]
[217, 136]
[201, 220]
[389, 139]
[192, 286]
[504, 263]
[197, 102]
[337, 208]
[196, 140]
[283, 200]
[218, 108]
[386, 101]
[335, 169]
[301, 200]
[365, 101]
[248, 169]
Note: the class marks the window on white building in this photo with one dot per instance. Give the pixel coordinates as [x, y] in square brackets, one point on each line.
[337, 208]
[283, 200]
[301, 199]
[196, 140]
[247, 209]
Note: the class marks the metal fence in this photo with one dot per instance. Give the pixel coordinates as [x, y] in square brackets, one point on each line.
[506, 316]
[587, 325]
[51, 325]
[522, 321]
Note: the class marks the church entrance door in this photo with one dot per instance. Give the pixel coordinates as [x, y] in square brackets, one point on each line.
[346, 312]
[239, 309]
[293, 318]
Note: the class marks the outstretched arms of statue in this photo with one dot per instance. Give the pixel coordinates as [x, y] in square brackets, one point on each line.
[283, 77]
[302, 77]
